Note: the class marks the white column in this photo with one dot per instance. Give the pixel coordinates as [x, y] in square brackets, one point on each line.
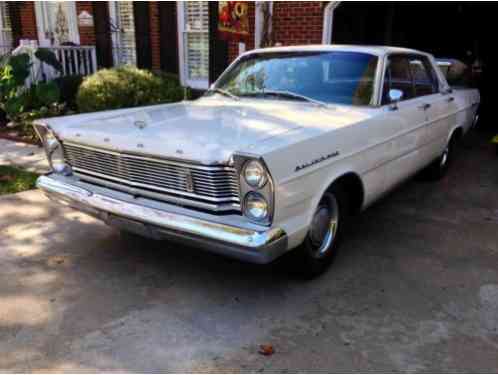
[328, 21]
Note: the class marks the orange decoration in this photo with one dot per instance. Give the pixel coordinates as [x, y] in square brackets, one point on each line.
[233, 20]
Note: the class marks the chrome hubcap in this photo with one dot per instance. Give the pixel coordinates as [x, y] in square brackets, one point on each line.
[324, 227]
[444, 157]
[475, 121]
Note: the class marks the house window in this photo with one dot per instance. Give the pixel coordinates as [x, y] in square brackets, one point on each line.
[193, 25]
[122, 27]
[5, 30]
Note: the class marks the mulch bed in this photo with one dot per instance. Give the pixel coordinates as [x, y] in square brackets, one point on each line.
[16, 135]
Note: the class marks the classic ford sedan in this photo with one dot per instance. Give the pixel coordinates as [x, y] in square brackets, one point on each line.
[278, 155]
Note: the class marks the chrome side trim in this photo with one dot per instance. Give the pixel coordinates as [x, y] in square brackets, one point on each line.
[258, 246]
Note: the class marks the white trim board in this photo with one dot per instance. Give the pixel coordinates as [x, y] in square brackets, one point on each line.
[328, 21]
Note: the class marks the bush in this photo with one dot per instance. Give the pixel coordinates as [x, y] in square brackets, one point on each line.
[68, 87]
[126, 86]
[17, 99]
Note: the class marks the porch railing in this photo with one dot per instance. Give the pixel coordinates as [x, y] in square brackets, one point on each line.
[79, 60]
[74, 60]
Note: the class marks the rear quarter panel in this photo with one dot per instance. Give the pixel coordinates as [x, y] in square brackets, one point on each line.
[467, 102]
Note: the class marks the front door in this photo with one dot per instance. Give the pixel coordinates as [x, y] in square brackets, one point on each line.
[56, 22]
[412, 116]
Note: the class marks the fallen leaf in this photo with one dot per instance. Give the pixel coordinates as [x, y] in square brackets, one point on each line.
[266, 349]
[58, 260]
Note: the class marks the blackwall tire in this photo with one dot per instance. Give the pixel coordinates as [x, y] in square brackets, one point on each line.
[324, 236]
[439, 167]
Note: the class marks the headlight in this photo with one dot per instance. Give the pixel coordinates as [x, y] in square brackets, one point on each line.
[256, 206]
[255, 174]
[53, 149]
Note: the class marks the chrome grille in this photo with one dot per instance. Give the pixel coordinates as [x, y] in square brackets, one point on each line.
[216, 186]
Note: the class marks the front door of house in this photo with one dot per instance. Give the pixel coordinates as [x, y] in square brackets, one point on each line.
[57, 22]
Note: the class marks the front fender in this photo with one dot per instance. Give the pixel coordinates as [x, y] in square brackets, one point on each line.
[297, 197]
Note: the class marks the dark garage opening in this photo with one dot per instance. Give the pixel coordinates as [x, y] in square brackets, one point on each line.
[461, 30]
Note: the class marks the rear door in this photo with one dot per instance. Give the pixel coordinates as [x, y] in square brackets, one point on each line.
[436, 107]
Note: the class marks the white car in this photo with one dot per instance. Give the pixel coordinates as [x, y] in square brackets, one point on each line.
[277, 156]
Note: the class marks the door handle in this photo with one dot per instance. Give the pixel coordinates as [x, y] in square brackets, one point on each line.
[450, 99]
[425, 106]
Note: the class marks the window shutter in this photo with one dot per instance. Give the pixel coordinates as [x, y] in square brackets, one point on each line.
[142, 34]
[218, 49]
[168, 29]
[103, 41]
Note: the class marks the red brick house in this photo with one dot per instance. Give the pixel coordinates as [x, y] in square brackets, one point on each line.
[182, 37]
[175, 37]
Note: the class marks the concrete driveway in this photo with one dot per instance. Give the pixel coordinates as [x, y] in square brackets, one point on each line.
[415, 288]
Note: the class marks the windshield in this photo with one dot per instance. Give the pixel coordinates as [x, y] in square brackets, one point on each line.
[329, 77]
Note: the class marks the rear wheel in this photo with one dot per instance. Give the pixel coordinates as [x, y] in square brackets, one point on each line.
[439, 167]
[475, 120]
[321, 244]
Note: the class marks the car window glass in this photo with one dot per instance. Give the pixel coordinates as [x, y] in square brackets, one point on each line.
[398, 77]
[423, 79]
[332, 77]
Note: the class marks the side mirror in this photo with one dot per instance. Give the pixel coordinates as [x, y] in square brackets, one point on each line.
[395, 95]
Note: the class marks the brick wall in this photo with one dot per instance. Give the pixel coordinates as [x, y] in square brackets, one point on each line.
[154, 35]
[27, 20]
[294, 22]
[26, 11]
[87, 33]
[298, 22]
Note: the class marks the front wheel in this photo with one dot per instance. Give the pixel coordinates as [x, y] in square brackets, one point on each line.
[320, 246]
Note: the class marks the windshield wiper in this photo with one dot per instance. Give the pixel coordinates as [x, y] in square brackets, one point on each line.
[293, 95]
[223, 92]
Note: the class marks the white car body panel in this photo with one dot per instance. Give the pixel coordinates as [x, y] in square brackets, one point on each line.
[379, 145]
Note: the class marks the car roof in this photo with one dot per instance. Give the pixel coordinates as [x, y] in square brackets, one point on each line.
[373, 50]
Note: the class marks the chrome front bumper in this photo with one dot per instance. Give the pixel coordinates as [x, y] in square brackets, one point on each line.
[252, 245]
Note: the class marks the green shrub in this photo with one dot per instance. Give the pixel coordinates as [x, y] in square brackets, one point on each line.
[15, 98]
[126, 86]
[68, 87]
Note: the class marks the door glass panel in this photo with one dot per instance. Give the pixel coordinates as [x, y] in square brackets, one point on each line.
[398, 77]
[423, 80]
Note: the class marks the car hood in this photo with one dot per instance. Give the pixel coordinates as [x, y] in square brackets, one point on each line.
[208, 130]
